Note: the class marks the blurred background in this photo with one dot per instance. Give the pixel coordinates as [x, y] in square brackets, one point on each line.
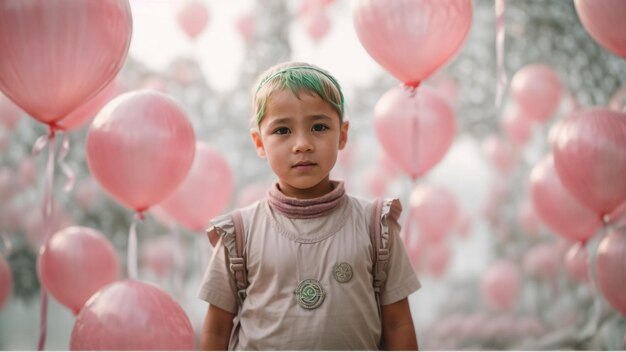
[496, 278]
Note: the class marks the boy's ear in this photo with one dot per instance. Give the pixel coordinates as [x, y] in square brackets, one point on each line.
[343, 134]
[258, 142]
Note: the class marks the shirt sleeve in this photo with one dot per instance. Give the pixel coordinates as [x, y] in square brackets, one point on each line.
[401, 278]
[218, 286]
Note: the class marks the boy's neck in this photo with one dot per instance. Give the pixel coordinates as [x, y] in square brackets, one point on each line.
[319, 190]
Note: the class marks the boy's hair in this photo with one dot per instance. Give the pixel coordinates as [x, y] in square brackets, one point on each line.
[297, 77]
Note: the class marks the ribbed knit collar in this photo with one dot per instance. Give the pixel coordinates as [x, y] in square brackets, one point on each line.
[306, 208]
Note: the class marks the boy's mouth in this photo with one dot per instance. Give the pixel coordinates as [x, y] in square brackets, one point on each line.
[304, 163]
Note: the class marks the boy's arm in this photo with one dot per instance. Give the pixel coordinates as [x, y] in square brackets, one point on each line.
[218, 324]
[397, 324]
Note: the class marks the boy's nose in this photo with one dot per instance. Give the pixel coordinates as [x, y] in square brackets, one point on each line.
[302, 144]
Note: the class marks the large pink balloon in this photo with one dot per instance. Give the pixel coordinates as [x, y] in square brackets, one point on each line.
[411, 39]
[415, 128]
[435, 209]
[75, 263]
[205, 192]
[556, 206]
[89, 109]
[193, 17]
[500, 285]
[140, 147]
[537, 90]
[611, 269]
[590, 157]
[604, 20]
[6, 281]
[57, 54]
[132, 315]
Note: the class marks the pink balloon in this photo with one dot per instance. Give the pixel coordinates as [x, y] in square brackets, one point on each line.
[604, 21]
[528, 219]
[205, 192]
[140, 147]
[611, 269]
[500, 285]
[75, 263]
[516, 127]
[10, 114]
[542, 261]
[500, 153]
[556, 206]
[193, 17]
[435, 210]
[246, 25]
[6, 281]
[132, 315]
[87, 111]
[537, 90]
[577, 263]
[317, 24]
[590, 158]
[411, 39]
[463, 224]
[56, 55]
[414, 127]
[437, 258]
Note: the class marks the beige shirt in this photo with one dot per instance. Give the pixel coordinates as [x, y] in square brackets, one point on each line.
[282, 251]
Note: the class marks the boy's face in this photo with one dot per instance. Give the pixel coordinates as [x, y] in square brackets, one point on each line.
[300, 138]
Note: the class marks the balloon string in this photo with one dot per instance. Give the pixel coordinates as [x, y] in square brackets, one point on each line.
[67, 171]
[414, 136]
[47, 221]
[131, 259]
[500, 31]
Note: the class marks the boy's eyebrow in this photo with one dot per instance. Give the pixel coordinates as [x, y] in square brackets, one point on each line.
[285, 120]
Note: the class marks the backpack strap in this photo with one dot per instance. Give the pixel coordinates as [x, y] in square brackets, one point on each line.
[380, 255]
[237, 260]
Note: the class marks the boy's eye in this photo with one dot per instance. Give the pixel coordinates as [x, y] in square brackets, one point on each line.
[281, 130]
[319, 127]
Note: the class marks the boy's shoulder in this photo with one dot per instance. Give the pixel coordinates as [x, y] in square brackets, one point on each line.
[388, 205]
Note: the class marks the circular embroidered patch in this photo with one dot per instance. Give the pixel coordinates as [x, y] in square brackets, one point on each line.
[342, 272]
[310, 294]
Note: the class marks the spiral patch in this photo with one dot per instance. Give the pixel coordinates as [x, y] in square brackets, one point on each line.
[342, 272]
[310, 294]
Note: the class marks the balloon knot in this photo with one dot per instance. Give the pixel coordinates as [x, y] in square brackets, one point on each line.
[52, 128]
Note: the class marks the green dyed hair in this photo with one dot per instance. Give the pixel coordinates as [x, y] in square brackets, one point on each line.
[298, 77]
